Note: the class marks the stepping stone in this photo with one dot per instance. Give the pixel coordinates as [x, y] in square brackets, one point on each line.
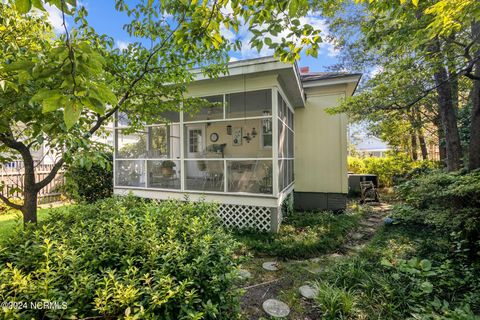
[367, 223]
[315, 268]
[358, 247]
[244, 274]
[336, 255]
[270, 266]
[276, 308]
[357, 235]
[308, 292]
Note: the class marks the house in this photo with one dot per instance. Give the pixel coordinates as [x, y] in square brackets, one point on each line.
[369, 146]
[264, 138]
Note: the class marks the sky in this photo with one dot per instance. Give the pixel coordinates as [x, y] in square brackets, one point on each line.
[105, 19]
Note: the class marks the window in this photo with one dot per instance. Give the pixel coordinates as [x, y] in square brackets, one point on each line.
[194, 140]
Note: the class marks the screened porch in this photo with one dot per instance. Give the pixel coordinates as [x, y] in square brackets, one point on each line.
[239, 143]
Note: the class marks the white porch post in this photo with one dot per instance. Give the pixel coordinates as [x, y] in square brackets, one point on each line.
[182, 150]
[275, 140]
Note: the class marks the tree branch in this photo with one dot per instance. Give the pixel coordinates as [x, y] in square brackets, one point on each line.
[9, 203]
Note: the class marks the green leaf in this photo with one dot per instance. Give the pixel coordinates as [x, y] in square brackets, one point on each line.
[38, 4]
[71, 114]
[426, 287]
[94, 105]
[23, 6]
[53, 103]
[425, 264]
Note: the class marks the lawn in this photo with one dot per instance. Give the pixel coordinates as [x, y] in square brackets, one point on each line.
[303, 234]
[13, 219]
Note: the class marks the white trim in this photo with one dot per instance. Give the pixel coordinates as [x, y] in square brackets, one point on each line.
[229, 198]
[329, 82]
[275, 140]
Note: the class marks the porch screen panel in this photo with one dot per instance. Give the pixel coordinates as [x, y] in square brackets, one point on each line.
[253, 176]
[130, 173]
[286, 138]
[248, 104]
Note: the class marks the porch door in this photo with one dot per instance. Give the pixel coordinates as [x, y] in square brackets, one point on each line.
[195, 149]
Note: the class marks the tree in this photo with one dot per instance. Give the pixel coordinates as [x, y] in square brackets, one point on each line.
[60, 91]
[437, 36]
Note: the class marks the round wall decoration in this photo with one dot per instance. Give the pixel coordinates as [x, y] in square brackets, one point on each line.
[214, 137]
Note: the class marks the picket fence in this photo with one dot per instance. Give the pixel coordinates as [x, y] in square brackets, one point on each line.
[12, 176]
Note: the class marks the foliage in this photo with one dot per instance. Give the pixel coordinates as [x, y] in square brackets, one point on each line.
[333, 302]
[303, 235]
[404, 273]
[449, 202]
[57, 91]
[420, 57]
[123, 258]
[90, 181]
[388, 169]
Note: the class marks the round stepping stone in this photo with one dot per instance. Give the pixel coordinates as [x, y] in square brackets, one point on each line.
[276, 308]
[308, 292]
[244, 274]
[270, 266]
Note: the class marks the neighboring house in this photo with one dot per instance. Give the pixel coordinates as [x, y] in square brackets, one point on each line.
[369, 146]
[266, 136]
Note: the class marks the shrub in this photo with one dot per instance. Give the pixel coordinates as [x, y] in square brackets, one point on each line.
[449, 202]
[89, 182]
[388, 169]
[123, 258]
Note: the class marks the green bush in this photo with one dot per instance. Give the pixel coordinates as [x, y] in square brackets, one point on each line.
[449, 202]
[89, 182]
[123, 258]
[388, 169]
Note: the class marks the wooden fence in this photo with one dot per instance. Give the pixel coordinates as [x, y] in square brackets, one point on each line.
[12, 175]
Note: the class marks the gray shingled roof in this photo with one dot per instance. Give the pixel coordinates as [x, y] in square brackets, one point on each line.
[313, 76]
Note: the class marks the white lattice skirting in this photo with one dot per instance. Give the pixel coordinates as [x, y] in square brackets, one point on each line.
[246, 217]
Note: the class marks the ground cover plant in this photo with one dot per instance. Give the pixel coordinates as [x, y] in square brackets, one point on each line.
[122, 258]
[303, 234]
[405, 272]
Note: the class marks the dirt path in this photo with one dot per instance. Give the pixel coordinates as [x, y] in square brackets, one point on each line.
[283, 284]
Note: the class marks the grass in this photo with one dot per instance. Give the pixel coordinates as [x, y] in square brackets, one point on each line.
[382, 292]
[13, 219]
[303, 235]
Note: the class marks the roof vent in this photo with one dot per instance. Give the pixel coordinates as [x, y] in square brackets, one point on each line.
[304, 70]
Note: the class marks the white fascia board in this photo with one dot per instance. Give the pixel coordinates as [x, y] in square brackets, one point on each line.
[330, 82]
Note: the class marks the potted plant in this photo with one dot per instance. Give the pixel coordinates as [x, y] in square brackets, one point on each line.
[167, 168]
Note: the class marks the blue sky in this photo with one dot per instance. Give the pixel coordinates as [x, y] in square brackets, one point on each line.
[105, 19]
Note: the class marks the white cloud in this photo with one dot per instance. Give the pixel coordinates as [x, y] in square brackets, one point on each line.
[55, 18]
[375, 70]
[122, 45]
[244, 35]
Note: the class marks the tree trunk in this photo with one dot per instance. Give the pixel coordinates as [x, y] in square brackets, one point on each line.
[474, 144]
[423, 145]
[413, 138]
[29, 208]
[449, 120]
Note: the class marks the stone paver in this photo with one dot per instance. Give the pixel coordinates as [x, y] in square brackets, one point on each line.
[308, 292]
[276, 308]
[244, 274]
[270, 266]
[357, 236]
